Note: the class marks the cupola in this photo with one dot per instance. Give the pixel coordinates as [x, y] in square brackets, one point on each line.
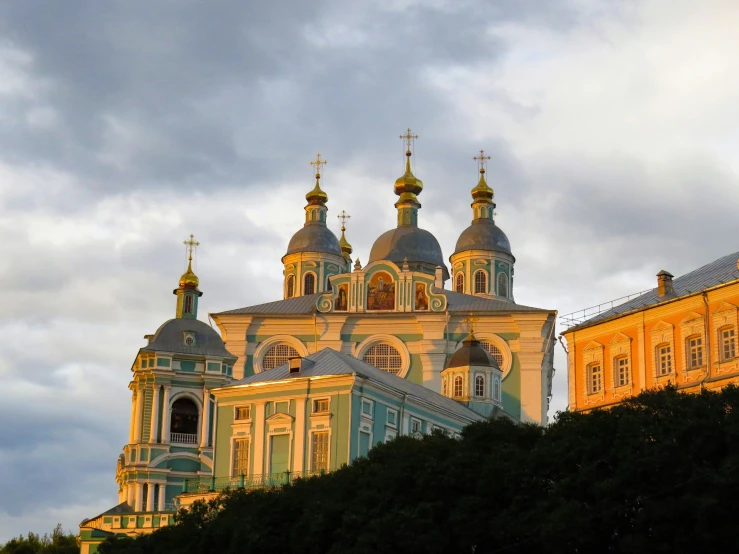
[187, 293]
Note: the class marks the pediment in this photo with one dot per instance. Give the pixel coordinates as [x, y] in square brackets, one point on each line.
[593, 345]
[692, 316]
[663, 326]
[726, 307]
[278, 418]
[620, 337]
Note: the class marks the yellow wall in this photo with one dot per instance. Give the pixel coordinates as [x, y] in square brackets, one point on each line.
[637, 334]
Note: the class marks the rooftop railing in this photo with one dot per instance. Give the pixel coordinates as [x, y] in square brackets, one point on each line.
[184, 438]
[265, 481]
[581, 316]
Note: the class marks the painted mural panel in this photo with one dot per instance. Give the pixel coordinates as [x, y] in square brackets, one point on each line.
[342, 298]
[381, 292]
[422, 299]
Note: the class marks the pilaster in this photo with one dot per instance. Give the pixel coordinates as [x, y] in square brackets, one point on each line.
[154, 416]
[260, 410]
[299, 436]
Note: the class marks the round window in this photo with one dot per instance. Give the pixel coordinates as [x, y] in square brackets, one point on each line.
[278, 355]
[385, 357]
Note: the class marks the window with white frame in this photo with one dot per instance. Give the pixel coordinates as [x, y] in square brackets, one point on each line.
[458, 386]
[278, 355]
[243, 412]
[240, 457]
[694, 351]
[392, 418]
[664, 359]
[319, 451]
[622, 375]
[481, 282]
[320, 406]
[494, 351]
[384, 357]
[415, 426]
[459, 282]
[503, 285]
[479, 386]
[595, 378]
[496, 389]
[728, 343]
[367, 408]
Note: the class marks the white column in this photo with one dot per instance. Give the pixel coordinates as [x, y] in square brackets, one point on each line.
[258, 446]
[162, 496]
[139, 500]
[206, 419]
[139, 415]
[150, 498]
[154, 416]
[165, 418]
[132, 423]
[130, 494]
[299, 434]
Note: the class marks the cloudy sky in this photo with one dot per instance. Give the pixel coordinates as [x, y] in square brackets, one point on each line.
[125, 125]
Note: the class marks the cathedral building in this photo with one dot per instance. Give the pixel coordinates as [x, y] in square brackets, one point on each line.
[351, 356]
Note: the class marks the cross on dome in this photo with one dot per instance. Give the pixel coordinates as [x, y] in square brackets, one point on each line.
[481, 160]
[318, 164]
[343, 217]
[408, 139]
[191, 244]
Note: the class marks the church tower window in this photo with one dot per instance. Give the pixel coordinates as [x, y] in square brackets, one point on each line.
[184, 422]
[480, 386]
[494, 351]
[385, 357]
[459, 282]
[481, 282]
[458, 386]
[278, 355]
[309, 284]
[290, 286]
[188, 304]
[503, 285]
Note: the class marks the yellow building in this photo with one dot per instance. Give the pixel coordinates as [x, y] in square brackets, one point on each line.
[683, 332]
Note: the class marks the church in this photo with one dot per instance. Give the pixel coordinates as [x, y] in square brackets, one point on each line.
[351, 356]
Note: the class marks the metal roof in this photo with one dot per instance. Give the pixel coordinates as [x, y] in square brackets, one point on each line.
[298, 305]
[170, 338]
[483, 234]
[330, 362]
[710, 275]
[314, 237]
[458, 302]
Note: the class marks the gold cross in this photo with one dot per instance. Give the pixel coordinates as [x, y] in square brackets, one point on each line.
[408, 139]
[191, 244]
[481, 160]
[343, 217]
[318, 164]
[470, 321]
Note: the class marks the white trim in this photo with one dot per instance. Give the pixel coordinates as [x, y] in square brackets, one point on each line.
[371, 404]
[474, 281]
[405, 358]
[266, 344]
[387, 418]
[316, 282]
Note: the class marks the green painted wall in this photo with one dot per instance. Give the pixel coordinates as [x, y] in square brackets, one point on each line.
[511, 389]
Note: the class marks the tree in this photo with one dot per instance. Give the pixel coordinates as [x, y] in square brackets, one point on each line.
[656, 473]
[58, 542]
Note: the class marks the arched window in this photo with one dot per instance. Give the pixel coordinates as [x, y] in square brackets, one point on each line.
[278, 355]
[384, 357]
[459, 282]
[183, 425]
[621, 371]
[496, 392]
[503, 285]
[480, 386]
[188, 304]
[494, 351]
[145, 497]
[458, 386]
[481, 282]
[156, 498]
[595, 378]
[290, 286]
[309, 283]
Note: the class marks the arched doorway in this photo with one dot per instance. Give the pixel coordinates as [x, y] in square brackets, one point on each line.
[184, 422]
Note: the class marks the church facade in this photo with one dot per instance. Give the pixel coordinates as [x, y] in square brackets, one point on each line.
[350, 356]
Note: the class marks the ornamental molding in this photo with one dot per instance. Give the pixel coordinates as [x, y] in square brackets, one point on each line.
[266, 344]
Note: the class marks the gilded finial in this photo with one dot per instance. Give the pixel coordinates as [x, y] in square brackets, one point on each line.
[470, 320]
[408, 138]
[189, 277]
[346, 248]
[357, 265]
[343, 217]
[408, 186]
[481, 160]
[317, 196]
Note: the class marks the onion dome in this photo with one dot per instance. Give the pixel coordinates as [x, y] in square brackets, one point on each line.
[189, 279]
[346, 248]
[471, 353]
[408, 184]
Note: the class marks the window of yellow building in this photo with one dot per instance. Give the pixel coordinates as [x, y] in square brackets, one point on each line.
[694, 347]
[728, 344]
[621, 371]
[664, 359]
[595, 378]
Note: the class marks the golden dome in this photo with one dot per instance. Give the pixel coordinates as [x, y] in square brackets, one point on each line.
[189, 278]
[408, 183]
[346, 248]
[317, 196]
[482, 191]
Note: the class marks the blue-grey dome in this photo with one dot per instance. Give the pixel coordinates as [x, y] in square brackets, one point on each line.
[418, 246]
[170, 337]
[483, 234]
[314, 238]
